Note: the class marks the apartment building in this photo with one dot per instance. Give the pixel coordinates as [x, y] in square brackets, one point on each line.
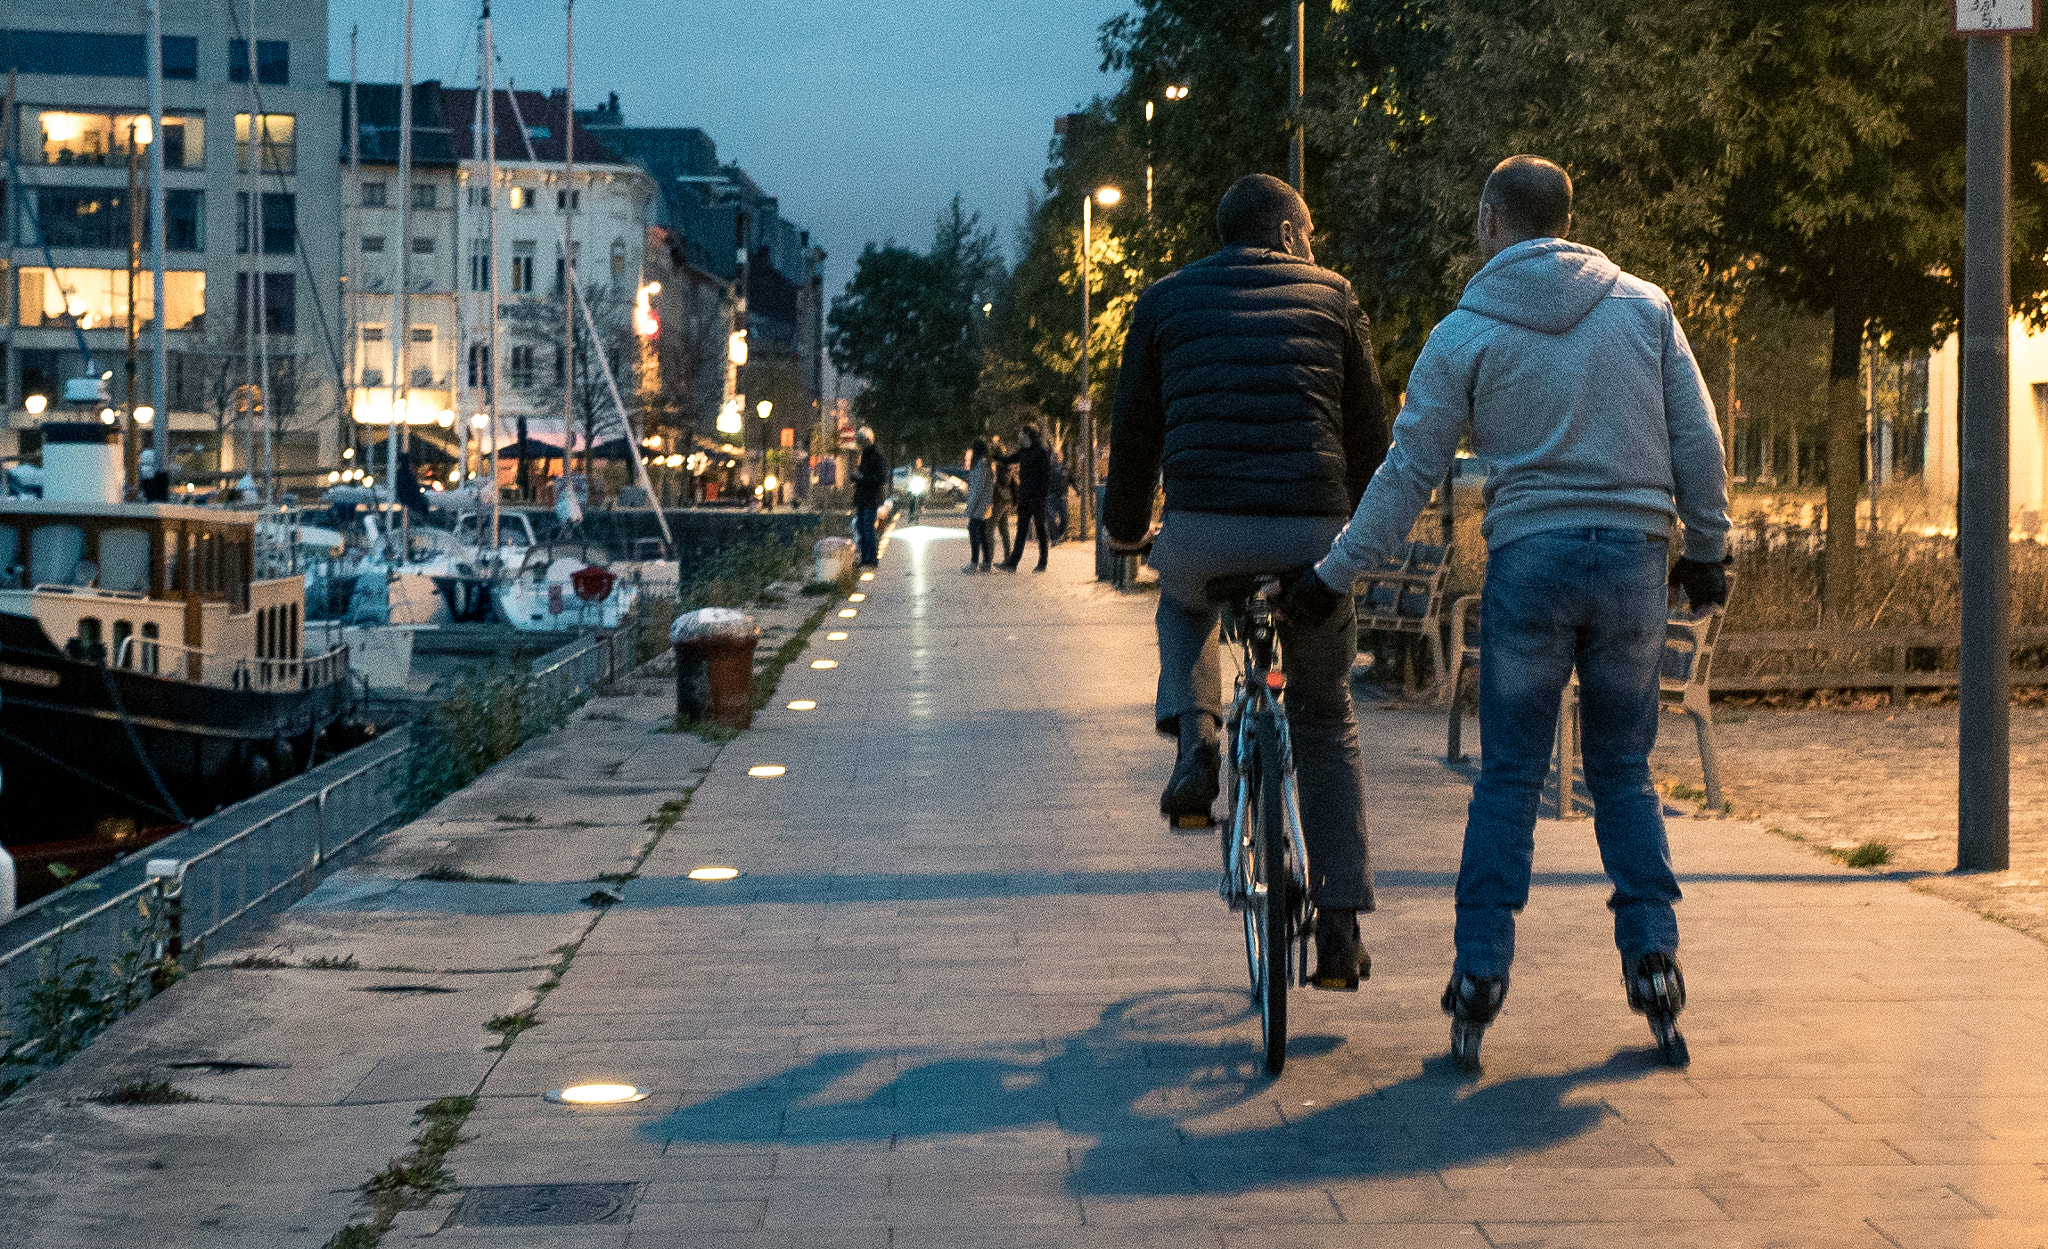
[79, 97]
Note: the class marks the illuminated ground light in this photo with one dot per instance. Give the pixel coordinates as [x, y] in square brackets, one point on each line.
[766, 769]
[824, 663]
[715, 873]
[835, 637]
[803, 704]
[848, 613]
[867, 576]
[597, 1094]
[856, 598]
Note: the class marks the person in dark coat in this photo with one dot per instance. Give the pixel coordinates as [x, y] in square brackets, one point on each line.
[1034, 478]
[1004, 504]
[1248, 384]
[870, 481]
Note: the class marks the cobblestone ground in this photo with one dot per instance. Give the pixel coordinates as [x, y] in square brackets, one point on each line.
[1836, 779]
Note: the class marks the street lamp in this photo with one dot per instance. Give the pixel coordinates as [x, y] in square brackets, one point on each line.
[1174, 92]
[1108, 197]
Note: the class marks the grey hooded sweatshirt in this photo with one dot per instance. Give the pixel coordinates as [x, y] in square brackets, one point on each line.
[1581, 395]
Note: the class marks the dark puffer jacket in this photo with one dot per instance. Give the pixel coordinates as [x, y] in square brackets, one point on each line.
[1248, 381]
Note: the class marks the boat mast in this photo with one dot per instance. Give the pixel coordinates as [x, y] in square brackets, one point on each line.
[159, 397]
[491, 281]
[259, 148]
[250, 161]
[569, 265]
[351, 229]
[402, 329]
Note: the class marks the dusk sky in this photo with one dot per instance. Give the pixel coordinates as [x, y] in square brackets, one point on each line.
[863, 116]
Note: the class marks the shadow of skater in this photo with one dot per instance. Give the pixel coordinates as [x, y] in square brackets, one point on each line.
[1135, 1081]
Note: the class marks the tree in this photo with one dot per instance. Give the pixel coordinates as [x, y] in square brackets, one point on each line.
[1846, 180]
[910, 326]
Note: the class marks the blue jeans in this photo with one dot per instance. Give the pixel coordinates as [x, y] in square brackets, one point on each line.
[1594, 599]
[864, 533]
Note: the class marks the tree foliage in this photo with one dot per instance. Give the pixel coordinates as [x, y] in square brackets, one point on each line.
[910, 326]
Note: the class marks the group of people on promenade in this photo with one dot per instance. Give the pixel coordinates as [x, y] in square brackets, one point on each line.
[1001, 484]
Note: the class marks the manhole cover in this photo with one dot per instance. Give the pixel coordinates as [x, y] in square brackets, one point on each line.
[543, 1205]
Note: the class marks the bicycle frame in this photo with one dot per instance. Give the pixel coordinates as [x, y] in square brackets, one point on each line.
[1256, 714]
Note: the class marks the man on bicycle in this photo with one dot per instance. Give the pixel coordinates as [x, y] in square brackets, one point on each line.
[1249, 384]
[1577, 387]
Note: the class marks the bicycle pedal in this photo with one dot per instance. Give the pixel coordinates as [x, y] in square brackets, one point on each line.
[1334, 984]
[1191, 823]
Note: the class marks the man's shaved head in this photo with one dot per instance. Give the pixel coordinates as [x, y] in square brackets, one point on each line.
[1253, 208]
[1533, 196]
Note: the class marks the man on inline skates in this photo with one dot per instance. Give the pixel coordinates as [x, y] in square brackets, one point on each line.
[1578, 389]
[1248, 382]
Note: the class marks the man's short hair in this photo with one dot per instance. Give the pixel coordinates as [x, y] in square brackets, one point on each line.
[1533, 195]
[1253, 208]
[864, 434]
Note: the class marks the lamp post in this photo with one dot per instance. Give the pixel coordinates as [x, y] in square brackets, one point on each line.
[1108, 197]
[1174, 92]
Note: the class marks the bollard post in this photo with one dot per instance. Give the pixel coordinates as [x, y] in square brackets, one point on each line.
[169, 875]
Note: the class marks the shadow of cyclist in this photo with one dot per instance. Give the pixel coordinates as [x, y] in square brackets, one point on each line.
[1165, 1075]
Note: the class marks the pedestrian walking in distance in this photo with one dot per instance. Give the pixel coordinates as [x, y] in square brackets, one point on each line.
[1577, 388]
[1005, 494]
[1248, 384]
[870, 480]
[1034, 478]
[981, 492]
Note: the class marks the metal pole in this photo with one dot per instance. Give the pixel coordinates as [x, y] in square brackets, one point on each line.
[569, 262]
[159, 384]
[351, 277]
[1085, 403]
[401, 330]
[1297, 83]
[252, 214]
[491, 282]
[1983, 822]
[131, 436]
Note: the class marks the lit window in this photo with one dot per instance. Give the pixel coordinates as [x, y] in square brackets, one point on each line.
[98, 298]
[278, 136]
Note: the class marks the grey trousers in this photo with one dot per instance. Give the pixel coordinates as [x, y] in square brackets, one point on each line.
[1194, 547]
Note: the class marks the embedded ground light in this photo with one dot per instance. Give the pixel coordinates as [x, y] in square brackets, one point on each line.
[866, 576]
[824, 663]
[835, 637]
[766, 769]
[856, 598]
[848, 613]
[597, 1094]
[715, 873]
[803, 704]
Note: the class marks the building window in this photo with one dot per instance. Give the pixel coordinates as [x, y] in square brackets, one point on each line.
[84, 55]
[280, 303]
[519, 198]
[280, 223]
[522, 268]
[568, 201]
[70, 138]
[618, 262]
[98, 298]
[480, 264]
[479, 366]
[423, 195]
[423, 246]
[373, 195]
[273, 61]
[522, 367]
[98, 217]
[420, 359]
[373, 242]
[479, 197]
[278, 137]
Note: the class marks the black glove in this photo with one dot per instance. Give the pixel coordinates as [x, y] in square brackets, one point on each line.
[1305, 601]
[1705, 585]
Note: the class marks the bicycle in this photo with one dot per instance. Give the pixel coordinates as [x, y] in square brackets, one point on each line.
[1265, 857]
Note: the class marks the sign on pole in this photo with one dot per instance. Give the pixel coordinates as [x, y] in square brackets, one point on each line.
[1993, 17]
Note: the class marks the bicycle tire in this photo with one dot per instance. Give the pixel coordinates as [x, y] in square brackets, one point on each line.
[1277, 902]
[1239, 831]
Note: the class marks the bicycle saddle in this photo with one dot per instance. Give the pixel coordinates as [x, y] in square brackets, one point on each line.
[1239, 588]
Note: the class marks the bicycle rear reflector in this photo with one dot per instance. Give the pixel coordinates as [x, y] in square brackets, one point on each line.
[1275, 680]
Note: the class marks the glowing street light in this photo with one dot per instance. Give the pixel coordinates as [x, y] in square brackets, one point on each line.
[35, 404]
[145, 416]
[736, 347]
[729, 421]
[1108, 197]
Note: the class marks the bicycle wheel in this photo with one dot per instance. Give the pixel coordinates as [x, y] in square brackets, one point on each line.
[1275, 902]
[1240, 853]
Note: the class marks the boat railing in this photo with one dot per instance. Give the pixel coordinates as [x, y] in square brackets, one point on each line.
[90, 591]
[145, 654]
[304, 672]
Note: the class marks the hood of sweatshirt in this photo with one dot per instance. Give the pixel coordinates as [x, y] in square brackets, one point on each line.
[1546, 285]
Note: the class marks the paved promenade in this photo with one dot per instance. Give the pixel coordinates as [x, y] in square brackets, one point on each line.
[967, 990]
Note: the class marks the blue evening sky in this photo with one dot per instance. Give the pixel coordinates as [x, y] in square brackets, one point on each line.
[863, 116]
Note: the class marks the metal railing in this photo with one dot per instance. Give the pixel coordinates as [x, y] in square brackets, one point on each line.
[282, 850]
[570, 673]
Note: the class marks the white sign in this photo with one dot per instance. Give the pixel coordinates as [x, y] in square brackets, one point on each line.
[1994, 17]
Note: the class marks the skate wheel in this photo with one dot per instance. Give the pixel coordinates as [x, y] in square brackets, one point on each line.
[1671, 1046]
[1465, 1048]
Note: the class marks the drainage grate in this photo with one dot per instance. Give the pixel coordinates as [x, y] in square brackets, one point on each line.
[220, 1065]
[404, 988]
[543, 1205]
